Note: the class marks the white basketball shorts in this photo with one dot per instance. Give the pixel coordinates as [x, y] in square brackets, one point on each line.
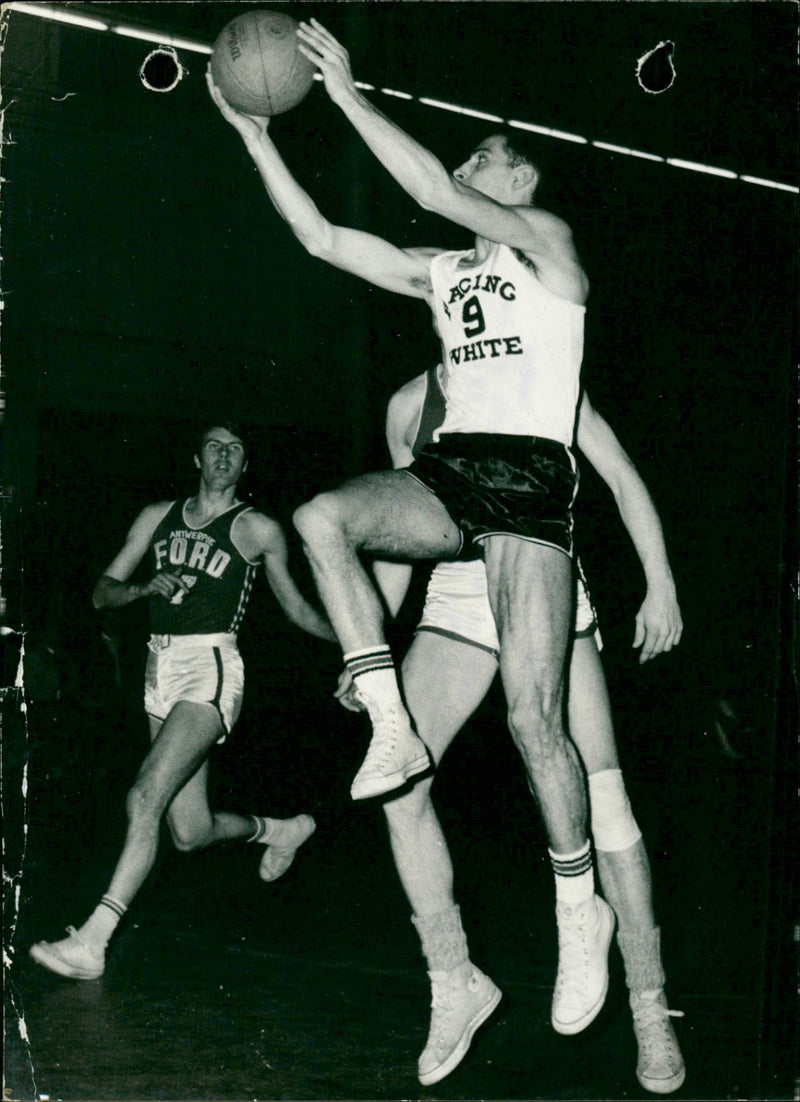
[457, 606]
[203, 669]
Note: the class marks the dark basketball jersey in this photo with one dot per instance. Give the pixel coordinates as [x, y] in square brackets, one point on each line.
[217, 577]
[432, 413]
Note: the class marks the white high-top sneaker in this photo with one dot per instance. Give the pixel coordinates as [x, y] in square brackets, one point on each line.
[584, 937]
[462, 1001]
[395, 754]
[660, 1067]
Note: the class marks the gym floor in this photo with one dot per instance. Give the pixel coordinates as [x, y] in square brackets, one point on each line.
[148, 278]
[219, 986]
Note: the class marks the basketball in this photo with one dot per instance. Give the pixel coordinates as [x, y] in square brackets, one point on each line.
[257, 66]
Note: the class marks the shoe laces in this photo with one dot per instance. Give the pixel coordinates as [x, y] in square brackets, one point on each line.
[385, 737]
[572, 953]
[76, 937]
[441, 1009]
[651, 1016]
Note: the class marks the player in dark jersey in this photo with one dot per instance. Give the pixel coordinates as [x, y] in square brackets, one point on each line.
[204, 553]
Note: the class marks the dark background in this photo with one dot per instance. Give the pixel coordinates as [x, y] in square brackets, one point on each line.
[147, 282]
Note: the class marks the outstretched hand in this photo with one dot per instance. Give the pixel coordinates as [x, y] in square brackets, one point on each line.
[331, 58]
[659, 625]
[251, 127]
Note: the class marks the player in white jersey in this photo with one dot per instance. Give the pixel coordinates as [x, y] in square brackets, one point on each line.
[508, 493]
[204, 553]
[446, 673]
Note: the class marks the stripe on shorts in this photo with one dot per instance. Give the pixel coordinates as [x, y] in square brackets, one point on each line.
[220, 677]
[495, 653]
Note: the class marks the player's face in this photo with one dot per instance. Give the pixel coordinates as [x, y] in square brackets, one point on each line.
[222, 457]
[488, 170]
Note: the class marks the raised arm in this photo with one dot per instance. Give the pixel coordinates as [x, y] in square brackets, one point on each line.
[658, 622]
[113, 590]
[258, 535]
[404, 271]
[543, 237]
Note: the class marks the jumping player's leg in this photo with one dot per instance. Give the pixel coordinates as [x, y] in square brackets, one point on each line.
[444, 681]
[624, 870]
[530, 591]
[386, 513]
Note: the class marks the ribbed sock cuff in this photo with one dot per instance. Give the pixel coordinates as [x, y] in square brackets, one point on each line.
[102, 922]
[368, 660]
[641, 955]
[444, 942]
[114, 905]
[377, 686]
[574, 875]
[260, 829]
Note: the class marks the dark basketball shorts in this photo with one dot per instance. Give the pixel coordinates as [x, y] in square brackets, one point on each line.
[500, 485]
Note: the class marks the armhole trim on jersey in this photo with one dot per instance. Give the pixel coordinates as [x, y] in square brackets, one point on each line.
[528, 266]
[246, 509]
[224, 513]
[170, 505]
[417, 427]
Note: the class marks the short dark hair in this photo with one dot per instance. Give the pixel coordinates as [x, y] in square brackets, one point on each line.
[521, 151]
[233, 425]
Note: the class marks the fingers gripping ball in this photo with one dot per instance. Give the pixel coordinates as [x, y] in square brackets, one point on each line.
[257, 66]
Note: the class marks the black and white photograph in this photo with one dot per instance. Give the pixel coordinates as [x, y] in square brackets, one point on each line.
[399, 550]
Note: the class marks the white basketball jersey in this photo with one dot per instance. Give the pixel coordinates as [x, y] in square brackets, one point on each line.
[512, 349]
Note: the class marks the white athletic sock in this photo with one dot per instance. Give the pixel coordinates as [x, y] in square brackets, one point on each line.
[261, 829]
[574, 875]
[373, 672]
[102, 922]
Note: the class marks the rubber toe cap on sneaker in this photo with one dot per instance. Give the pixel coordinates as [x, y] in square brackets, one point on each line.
[441, 1057]
[49, 956]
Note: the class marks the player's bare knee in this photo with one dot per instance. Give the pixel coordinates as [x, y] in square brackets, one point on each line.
[143, 806]
[317, 519]
[187, 839]
[536, 726]
[405, 812]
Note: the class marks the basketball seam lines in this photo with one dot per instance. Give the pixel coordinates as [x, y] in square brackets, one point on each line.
[267, 89]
